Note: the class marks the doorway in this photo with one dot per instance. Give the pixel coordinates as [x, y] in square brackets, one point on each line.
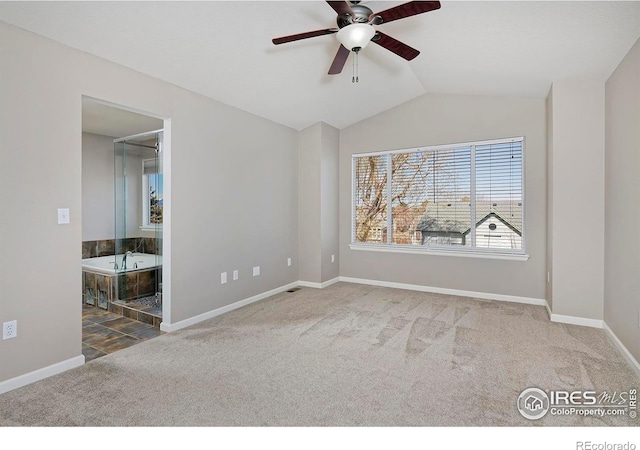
[124, 230]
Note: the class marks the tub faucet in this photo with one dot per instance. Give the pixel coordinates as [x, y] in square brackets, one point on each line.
[124, 259]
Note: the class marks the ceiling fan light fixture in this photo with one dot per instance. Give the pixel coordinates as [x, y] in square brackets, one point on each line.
[356, 35]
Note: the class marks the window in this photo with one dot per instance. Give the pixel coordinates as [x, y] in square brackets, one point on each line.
[465, 197]
[152, 203]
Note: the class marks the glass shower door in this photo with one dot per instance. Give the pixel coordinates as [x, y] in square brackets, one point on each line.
[139, 206]
[120, 215]
[156, 209]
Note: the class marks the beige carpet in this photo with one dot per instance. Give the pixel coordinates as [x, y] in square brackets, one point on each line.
[347, 355]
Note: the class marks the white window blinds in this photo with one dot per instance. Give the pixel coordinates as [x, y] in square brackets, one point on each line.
[461, 196]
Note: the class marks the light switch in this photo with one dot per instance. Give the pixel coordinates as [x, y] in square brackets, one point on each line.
[235, 275]
[63, 216]
[223, 277]
[256, 271]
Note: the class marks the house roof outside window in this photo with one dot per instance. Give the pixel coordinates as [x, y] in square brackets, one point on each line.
[455, 217]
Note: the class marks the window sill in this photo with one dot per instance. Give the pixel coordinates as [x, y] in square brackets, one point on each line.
[151, 227]
[439, 252]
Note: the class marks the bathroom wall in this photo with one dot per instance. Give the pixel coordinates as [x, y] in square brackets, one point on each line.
[234, 191]
[98, 188]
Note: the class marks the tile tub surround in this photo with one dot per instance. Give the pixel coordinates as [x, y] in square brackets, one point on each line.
[97, 289]
[137, 310]
[118, 293]
[106, 247]
[134, 285]
[125, 287]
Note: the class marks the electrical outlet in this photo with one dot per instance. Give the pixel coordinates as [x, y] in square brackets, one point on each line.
[10, 329]
[235, 275]
[288, 262]
[256, 271]
[223, 277]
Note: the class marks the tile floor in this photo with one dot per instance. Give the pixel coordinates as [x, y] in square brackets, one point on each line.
[104, 332]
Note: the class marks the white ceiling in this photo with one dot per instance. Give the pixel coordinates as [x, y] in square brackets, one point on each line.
[223, 49]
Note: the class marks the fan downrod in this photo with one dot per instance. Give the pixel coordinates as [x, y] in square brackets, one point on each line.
[360, 15]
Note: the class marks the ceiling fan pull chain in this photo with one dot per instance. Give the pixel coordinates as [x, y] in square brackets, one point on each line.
[354, 78]
[353, 68]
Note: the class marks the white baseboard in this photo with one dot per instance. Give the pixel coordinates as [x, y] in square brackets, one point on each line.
[572, 320]
[40, 374]
[312, 284]
[622, 349]
[224, 309]
[437, 290]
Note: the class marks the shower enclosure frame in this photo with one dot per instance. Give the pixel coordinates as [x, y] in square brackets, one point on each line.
[122, 221]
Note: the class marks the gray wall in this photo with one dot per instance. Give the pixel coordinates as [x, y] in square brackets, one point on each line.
[318, 202]
[330, 192]
[442, 119]
[309, 212]
[234, 196]
[622, 207]
[234, 204]
[577, 228]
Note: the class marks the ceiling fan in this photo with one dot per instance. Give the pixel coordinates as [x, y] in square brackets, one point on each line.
[356, 29]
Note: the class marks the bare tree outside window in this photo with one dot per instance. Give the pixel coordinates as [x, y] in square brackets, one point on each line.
[370, 199]
[155, 208]
[412, 183]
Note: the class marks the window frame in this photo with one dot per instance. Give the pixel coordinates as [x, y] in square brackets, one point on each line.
[469, 252]
[146, 200]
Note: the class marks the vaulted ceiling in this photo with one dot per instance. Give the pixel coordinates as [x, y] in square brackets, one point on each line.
[223, 50]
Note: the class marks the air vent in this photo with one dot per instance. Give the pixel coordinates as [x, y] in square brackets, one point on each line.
[294, 289]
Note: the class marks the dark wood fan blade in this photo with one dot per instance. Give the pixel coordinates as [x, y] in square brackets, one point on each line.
[339, 61]
[308, 34]
[405, 10]
[393, 45]
[341, 8]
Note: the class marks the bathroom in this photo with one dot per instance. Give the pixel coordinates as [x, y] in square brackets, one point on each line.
[122, 206]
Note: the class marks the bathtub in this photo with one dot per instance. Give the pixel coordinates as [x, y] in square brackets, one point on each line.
[105, 264]
[102, 285]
